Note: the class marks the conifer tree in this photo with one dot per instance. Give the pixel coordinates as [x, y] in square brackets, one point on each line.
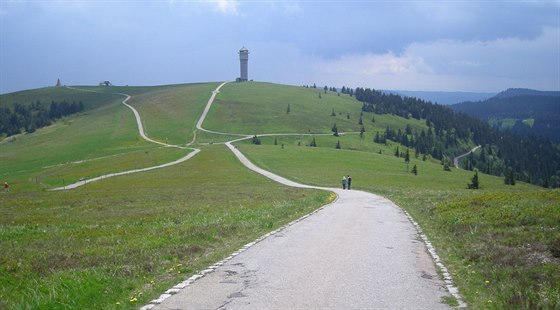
[332, 113]
[288, 109]
[397, 153]
[415, 170]
[313, 143]
[338, 144]
[256, 140]
[360, 122]
[335, 130]
[474, 181]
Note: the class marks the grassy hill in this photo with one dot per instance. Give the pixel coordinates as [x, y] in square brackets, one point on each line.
[120, 242]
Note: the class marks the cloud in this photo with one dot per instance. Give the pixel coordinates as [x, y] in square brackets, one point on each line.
[454, 65]
[225, 6]
[373, 64]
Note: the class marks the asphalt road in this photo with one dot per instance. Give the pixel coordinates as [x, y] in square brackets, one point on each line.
[360, 252]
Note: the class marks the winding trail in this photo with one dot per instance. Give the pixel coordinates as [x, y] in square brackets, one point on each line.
[456, 159]
[145, 137]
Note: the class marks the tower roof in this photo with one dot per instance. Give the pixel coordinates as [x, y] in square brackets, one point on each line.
[243, 49]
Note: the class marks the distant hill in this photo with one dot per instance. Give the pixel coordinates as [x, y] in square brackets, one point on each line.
[442, 97]
[517, 92]
[524, 111]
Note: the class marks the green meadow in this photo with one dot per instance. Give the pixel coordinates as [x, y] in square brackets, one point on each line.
[120, 242]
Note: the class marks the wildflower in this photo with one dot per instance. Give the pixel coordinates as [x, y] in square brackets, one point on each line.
[152, 282]
[179, 265]
[133, 299]
[118, 303]
[486, 282]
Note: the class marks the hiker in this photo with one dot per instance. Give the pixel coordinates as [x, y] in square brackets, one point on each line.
[343, 182]
[349, 180]
[6, 187]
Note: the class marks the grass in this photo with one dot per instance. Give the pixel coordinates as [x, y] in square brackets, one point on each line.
[95, 246]
[169, 114]
[120, 242]
[251, 108]
[106, 134]
[102, 132]
[506, 235]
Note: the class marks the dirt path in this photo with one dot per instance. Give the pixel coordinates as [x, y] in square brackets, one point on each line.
[145, 137]
[456, 159]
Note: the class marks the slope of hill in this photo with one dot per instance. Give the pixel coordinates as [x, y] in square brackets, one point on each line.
[521, 110]
[121, 242]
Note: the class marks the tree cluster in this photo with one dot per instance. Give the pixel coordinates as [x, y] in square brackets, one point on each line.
[35, 115]
[534, 160]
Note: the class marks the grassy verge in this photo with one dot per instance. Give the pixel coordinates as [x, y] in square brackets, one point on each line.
[99, 247]
[501, 243]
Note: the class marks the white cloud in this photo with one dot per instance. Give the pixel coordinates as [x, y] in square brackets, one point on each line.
[225, 6]
[453, 65]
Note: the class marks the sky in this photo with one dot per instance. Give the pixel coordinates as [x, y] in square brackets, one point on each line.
[476, 46]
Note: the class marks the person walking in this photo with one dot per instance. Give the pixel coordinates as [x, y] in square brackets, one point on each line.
[343, 182]
[349, 181]
[6, 187]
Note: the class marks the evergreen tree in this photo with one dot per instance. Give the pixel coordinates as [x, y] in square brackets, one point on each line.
[373, 119]
[415, 170]
[313, 143]
[509, 178]
[338, 144]
[288, 109]
[407, 156]
[397, 153]
[360, 122]
[335, 130]
[362, 130]
[256, 140]
[474, 181]
[332, 113]
[275, 141]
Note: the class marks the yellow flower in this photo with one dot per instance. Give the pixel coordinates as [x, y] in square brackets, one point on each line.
[486, 282]
[179, 265]
[118, 303]
[133, 299]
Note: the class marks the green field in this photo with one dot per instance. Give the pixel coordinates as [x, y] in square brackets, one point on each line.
[121, 242]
